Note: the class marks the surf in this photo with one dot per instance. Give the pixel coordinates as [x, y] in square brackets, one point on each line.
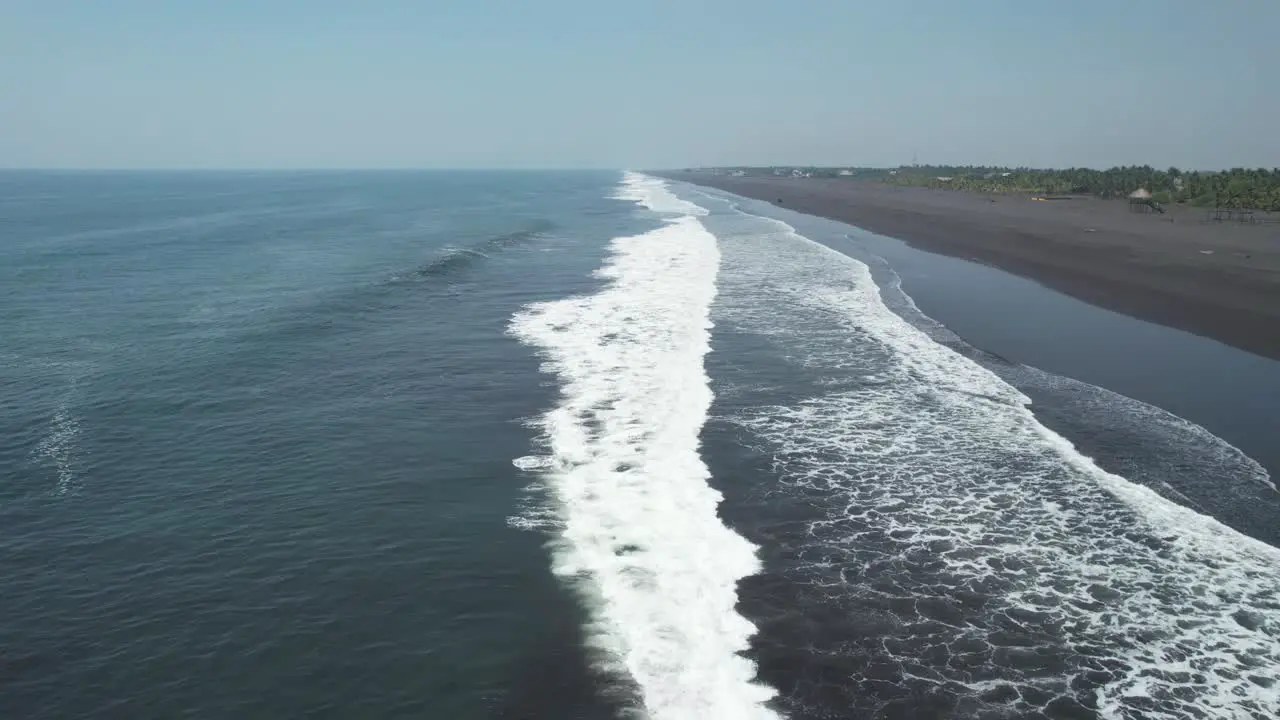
[637, 532]
[959, 549]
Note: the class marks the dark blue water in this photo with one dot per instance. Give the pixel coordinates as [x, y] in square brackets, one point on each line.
[256, 433]
[563, 445]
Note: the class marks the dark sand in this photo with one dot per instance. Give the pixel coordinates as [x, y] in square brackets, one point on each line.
[1148, 266]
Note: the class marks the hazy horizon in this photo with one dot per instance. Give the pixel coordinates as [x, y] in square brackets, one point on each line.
[330, 85]
[538, 169]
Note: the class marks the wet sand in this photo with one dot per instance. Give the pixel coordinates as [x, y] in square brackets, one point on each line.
[1154, 267]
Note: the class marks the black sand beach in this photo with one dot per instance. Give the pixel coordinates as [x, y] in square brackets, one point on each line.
[1218, 280]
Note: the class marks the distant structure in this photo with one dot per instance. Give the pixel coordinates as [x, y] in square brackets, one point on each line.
[1140, 201]
[1233, 215]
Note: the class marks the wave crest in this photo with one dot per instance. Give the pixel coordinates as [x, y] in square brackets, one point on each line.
[639, 535]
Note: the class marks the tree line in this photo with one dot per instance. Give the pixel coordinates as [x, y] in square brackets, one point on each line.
[1238, 188]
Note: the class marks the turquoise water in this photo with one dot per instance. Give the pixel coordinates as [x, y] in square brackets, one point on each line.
[564, 445]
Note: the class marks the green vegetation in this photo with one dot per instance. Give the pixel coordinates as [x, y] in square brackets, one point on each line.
[1238, 188]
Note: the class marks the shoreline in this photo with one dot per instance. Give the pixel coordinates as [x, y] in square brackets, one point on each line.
[1216, 280]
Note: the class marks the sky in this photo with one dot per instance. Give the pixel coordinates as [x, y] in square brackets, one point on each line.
[619, 83]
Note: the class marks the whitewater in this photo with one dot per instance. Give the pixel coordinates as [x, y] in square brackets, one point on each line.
[957, 548]
[637, 531]
[933, 549]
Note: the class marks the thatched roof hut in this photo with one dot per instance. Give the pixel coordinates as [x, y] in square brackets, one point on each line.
[1140, 200]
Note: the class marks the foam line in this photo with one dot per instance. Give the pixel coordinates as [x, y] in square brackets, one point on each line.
[1016, 573]
[639, 533]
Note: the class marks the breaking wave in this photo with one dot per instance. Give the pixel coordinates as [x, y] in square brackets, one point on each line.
[637, 531]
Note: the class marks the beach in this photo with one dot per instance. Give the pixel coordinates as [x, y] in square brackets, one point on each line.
[1218, 280]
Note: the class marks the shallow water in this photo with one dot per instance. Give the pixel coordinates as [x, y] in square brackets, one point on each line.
[932, 542]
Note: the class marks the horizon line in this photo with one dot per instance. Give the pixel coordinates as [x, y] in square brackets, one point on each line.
[679, 168]
[308, 169]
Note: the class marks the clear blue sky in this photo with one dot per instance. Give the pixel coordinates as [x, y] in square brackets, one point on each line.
[659, 83]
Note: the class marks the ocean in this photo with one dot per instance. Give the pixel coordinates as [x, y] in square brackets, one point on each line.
[594, 445]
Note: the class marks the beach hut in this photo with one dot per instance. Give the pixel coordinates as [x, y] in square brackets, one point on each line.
[1140, 201]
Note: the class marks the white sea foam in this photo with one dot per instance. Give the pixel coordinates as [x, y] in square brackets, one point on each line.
[652, 193]
[1174, 443]
[530, 463]
[936, 486]
[639, 533]
[59, 448]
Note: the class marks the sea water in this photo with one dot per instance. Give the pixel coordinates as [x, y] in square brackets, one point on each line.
[548, 445]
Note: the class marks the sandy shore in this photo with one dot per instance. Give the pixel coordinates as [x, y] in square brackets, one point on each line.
[1218, 280]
